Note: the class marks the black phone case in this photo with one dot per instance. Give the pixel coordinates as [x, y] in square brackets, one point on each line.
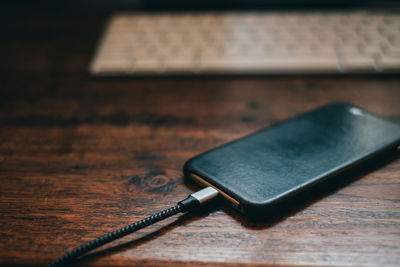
[265, 168]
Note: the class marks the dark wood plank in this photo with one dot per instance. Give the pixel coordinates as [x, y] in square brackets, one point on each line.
[80, 156]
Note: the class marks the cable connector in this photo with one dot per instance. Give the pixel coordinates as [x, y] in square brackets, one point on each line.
[198, 198]
[191, 202]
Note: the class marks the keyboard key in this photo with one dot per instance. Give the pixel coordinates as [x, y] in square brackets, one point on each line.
[147, 65]
[180, 65]
[388, 63]
[269, 64]
[358, 63]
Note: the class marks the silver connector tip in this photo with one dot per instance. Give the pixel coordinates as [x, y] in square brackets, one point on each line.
[205, 194]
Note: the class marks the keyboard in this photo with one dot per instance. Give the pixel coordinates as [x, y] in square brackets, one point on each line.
[249, 43]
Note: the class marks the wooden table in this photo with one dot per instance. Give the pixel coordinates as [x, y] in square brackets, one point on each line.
[81, 155]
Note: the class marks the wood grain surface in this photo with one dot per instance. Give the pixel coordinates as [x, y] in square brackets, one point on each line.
[81, 155]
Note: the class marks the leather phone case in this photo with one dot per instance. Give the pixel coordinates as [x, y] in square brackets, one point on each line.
[261, 170]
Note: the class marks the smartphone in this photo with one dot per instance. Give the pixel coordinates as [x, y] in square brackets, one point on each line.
[259, 171]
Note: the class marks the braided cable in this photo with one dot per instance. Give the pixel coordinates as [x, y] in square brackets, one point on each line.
[111, 236]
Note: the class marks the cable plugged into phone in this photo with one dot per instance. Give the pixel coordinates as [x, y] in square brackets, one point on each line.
[190, 203]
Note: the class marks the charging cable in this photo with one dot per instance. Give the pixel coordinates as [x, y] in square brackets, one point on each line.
[190, 203]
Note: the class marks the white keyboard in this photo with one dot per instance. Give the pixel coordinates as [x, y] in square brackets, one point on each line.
[254, 42]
